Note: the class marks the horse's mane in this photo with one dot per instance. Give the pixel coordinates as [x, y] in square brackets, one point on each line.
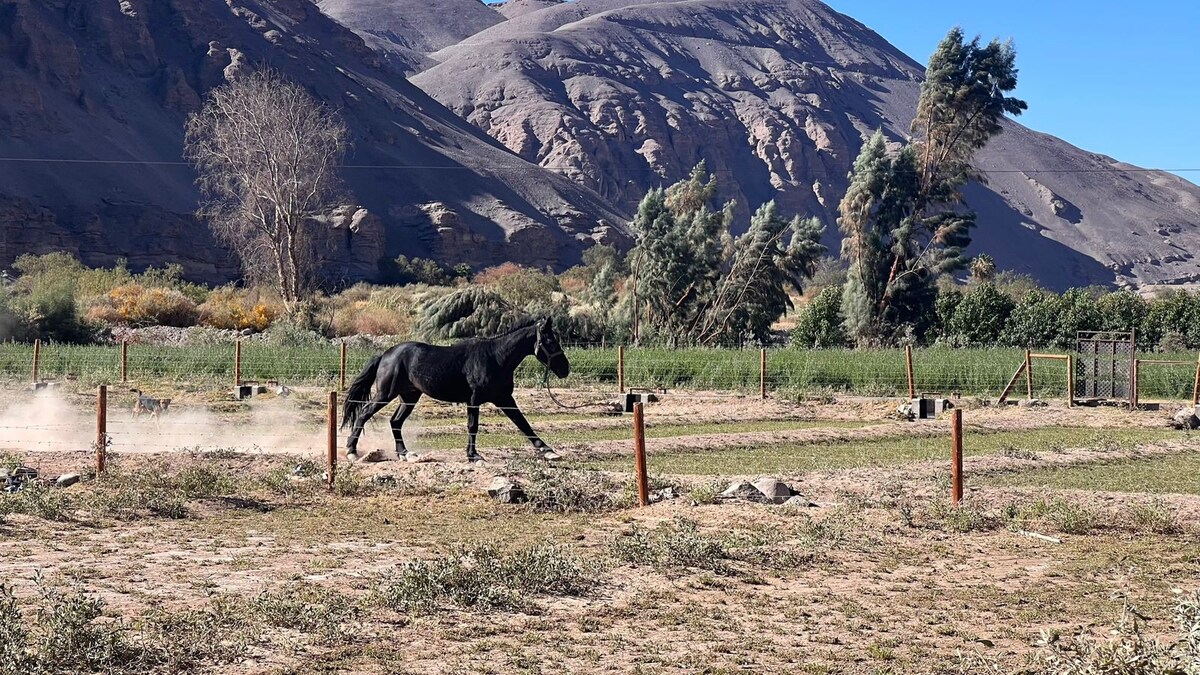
[520, 325]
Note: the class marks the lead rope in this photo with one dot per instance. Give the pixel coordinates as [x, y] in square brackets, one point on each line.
[546, 384]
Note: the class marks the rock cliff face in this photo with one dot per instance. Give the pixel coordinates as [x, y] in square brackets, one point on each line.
[777, 96]
[96, 95]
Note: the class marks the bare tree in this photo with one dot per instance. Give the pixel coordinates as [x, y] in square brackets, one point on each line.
[266, 153]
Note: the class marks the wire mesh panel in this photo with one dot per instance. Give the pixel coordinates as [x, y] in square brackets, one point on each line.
[1104, 365]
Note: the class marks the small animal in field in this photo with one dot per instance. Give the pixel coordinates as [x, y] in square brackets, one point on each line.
[151, 406]
[473, 372]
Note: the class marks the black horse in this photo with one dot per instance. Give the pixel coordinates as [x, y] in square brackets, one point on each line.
[474, 372]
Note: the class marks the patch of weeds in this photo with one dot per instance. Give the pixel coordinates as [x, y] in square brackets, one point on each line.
[676, 545]
[321, 611]
[38, 500]
[1130, 651]
[1158, 517]
[1102, 443]
[200, 453]
[1064, 516]
[10, 462]
[1013, 452]
[128, 495]
[561, 490]
[350, 483]
[69, 633]
[200, 481]
[968, 516]
[484, 578]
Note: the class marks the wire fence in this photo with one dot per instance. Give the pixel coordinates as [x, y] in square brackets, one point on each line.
[783, 372]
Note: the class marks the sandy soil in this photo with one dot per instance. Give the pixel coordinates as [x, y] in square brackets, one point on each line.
[877, 595]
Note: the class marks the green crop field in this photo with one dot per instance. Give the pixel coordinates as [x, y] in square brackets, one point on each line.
[971, 372]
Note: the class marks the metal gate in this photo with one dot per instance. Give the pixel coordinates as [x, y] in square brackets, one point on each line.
[1104, 366]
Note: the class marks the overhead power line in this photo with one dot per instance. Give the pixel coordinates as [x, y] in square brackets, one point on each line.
[452, 167]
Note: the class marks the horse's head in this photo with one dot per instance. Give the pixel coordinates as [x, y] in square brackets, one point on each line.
[548, 350]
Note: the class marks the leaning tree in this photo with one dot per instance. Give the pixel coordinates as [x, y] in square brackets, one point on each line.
[266, 153]
[903, 216]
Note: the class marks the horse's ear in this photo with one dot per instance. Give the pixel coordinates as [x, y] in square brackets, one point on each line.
[547, 324]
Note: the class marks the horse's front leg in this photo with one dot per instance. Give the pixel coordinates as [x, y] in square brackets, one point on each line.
[509, 406]
[472, 432]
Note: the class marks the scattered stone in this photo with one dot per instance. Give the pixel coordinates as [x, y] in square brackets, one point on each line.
[1032, 403]
[800, 502]
[283, 391]
[383, 479]
[506, 491]
[906, 411]
[67, 480]
[1187, 419]
[775, 490]
[414, 458]
[663, 495]
[745, 492]
[16, 479]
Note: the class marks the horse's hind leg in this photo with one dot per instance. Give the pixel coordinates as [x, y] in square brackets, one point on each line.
[509, 406]
[472, 431]
[368, 410]
[406, 408]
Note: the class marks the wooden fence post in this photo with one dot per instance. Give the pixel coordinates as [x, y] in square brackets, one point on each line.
[762, 375]
[1070, 381]
[237, 364]
[1133, 385]
[1133, 366]
[639, 454]
[956, 461]
[124, 360]
[1196, 384]
[332, 439]
[621, 369]
[912, 384]
[1028, 375]
[37, 356]
[342, 369]
[101, 428]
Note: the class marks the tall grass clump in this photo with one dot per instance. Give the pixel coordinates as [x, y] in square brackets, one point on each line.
[483, 577]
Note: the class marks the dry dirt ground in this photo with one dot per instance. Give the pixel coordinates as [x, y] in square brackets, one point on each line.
[879, 576]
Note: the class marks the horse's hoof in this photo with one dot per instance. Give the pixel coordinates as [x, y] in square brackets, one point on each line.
[476, 459]
[550, 456]
[352, 456]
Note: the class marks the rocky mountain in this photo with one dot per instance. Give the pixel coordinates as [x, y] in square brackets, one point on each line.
[95, 99]
[404, 31]
[777, 96]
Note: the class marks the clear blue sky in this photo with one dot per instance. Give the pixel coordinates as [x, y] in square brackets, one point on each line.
[1114, 77]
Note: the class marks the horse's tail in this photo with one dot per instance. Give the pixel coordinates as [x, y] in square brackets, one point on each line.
[360, 391]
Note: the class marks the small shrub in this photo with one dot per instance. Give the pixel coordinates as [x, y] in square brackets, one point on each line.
[676, 545]
[230, 308]
[134, 304]
[820, 323]
[1130, 651]
[328, 614]
[1157, 517]
[708, 492]
[484, 578]
[1064, 516]
[558, 490]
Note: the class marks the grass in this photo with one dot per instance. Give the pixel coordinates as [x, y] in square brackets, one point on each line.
[882, 452]
[976, 372]
[1168, 474]
[483, 577]
[492, 439]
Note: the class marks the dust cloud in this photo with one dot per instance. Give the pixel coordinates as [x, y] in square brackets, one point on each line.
[51, 422]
